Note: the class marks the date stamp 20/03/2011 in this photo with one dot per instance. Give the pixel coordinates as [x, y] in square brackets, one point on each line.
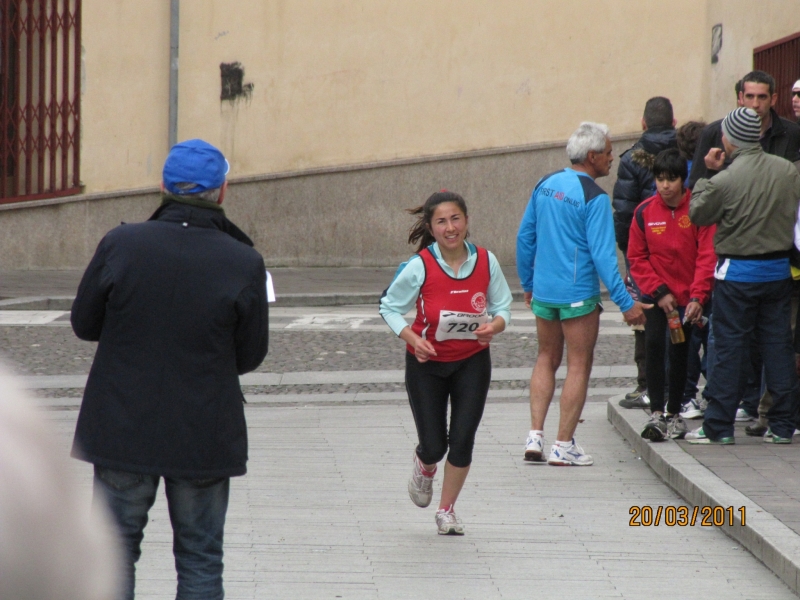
[683, 516]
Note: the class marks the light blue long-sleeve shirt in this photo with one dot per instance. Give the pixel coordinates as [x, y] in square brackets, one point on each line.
[565, 239]
[402, 294]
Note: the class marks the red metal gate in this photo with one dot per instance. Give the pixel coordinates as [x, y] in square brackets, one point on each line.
[40, 64]
[781, 59]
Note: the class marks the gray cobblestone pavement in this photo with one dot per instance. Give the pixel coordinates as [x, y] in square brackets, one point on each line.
[41, 350]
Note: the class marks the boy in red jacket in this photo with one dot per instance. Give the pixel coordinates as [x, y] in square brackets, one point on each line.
[672, 261]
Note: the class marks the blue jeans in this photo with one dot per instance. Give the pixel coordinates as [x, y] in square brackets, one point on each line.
[197, 509]
[743, 312]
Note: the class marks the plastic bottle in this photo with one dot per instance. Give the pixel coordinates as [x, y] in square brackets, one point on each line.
[675, 328]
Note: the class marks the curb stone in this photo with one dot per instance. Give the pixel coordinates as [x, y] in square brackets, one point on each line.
[769, 540]
[282, 300]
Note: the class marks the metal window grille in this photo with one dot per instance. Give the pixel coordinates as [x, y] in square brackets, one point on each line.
[781, 59]
[39, 99]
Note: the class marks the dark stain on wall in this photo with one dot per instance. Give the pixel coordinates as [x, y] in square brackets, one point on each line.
[233, 86]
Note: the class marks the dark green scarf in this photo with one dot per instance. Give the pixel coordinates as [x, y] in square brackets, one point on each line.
[166, 198]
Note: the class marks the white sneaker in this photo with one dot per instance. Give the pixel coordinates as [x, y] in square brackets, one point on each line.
[448, 523]
[692, 410]
[420, 486]
[572, 455]
[534, 447]
[743, 416]
[676, 427]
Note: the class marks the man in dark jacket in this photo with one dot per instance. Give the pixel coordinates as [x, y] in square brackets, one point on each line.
[635, 183]
[754, 205]
[178, 305]
[779, 136]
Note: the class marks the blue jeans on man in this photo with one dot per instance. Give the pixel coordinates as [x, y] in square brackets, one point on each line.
[197, 509]
[744, 311]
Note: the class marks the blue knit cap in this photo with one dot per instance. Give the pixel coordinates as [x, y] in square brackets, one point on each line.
[197, 162]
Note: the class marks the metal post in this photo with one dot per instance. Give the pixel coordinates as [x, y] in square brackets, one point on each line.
[174, 39]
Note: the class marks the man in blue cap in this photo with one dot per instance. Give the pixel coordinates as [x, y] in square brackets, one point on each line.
[178, 305]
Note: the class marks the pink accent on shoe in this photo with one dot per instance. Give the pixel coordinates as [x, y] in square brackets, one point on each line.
[424, 471]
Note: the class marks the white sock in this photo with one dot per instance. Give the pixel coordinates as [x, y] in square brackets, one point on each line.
[564, 444]
[536, 433]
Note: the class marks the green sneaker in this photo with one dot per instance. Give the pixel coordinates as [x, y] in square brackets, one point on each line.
[776, 439]
[698, 436]
[769, 437]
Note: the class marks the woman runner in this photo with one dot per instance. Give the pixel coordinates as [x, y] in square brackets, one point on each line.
[462, 301]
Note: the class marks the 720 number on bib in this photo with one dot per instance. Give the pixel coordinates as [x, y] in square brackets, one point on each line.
[462, 327]
[459, 325]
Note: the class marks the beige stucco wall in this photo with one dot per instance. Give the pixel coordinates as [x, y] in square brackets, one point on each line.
[339, 217]
[372, 80]
[746, 25]
[366, 83]
[349, 83]
[124, 104]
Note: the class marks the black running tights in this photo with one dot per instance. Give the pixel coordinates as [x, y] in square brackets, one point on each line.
[429, 385]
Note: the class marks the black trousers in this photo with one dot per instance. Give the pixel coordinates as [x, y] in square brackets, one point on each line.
[429, 385]
[655, 331]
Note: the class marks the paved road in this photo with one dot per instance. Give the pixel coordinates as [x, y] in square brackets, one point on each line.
[323, 512]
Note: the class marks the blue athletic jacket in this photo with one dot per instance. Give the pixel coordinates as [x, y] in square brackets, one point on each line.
[566, 239]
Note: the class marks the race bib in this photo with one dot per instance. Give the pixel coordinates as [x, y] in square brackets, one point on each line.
[459, 325]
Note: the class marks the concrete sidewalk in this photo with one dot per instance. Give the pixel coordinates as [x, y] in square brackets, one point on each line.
[758, 480]
[323, 513]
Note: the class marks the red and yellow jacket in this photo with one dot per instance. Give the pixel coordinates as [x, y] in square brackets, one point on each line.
[670, 254]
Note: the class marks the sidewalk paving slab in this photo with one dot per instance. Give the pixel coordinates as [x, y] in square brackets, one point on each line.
[681, 466]
[323, 513]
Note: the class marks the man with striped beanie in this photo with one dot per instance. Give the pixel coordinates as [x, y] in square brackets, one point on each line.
[754, 206]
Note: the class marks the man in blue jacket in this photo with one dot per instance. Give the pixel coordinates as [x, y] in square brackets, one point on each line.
[565, 240]
[178, 305]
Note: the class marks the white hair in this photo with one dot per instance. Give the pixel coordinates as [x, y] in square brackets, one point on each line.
[52, 546]
[589, 137]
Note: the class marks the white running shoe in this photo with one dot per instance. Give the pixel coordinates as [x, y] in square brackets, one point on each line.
[743, 416]
[534, 447]
[572, 455]
[676, 427]
[692, 410]
[420, 486]
[448, 523]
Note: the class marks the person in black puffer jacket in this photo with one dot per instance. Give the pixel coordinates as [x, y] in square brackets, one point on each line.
[635, 183]
[634, 176]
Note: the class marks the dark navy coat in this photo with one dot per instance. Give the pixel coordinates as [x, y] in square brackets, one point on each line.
[178, 306]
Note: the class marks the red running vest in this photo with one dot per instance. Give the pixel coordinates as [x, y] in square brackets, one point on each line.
[449, 310]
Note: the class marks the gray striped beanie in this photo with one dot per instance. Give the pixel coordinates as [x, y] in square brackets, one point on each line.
[742, 127]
